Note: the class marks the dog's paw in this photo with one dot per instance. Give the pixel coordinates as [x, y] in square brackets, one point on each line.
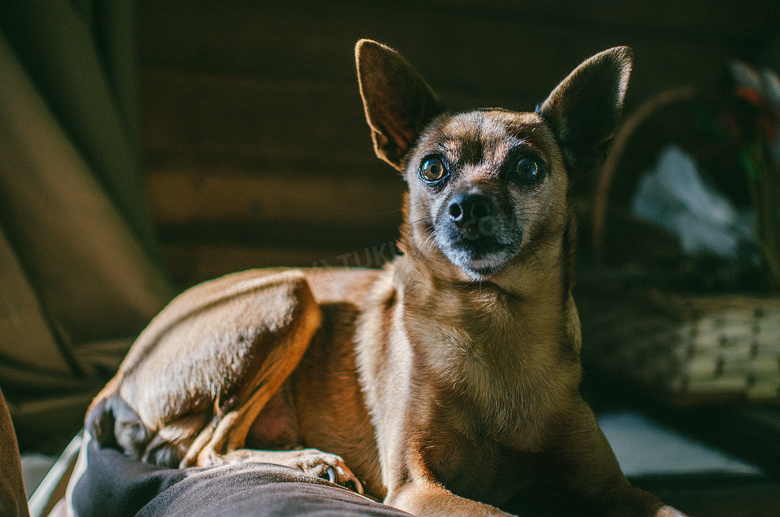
[668, 511]
[326, 466]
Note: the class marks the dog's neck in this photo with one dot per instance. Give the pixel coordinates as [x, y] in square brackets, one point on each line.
[510, 308]
[480, 340]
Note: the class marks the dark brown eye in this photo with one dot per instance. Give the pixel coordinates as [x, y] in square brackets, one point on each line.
[529, 170]
[432, 169]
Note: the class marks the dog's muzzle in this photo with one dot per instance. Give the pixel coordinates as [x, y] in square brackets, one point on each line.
[473, 215]
[476, 238]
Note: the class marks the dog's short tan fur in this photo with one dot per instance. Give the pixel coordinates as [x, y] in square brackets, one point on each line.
[447, 381]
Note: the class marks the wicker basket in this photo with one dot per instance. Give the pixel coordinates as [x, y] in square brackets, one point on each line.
[686, 349]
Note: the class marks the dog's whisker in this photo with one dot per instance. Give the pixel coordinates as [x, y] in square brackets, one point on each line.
[413, 223]
[541, 265]
[432, 240]
[543, 242]
[432, 234]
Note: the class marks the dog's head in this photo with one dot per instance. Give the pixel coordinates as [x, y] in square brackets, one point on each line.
[488, 189]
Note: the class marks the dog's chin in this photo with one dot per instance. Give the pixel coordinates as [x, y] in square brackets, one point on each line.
[479, 266]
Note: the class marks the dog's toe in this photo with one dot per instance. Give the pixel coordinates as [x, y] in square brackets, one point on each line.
[329, 467]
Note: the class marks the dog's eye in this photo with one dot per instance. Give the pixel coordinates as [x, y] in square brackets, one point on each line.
[432, 169]
[528, 170]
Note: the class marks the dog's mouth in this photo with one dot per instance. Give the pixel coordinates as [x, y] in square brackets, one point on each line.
[480, 252]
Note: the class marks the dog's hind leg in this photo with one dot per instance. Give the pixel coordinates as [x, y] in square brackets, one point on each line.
[290, 337]
[201, 372]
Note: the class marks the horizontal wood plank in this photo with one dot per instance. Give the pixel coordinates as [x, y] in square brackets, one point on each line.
[181, 193]
[190, 263]
[243, 117]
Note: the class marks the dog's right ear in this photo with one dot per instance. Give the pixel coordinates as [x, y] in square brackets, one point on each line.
[398, 102]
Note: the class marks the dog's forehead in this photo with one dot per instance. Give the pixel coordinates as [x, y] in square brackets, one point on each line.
[489, 134]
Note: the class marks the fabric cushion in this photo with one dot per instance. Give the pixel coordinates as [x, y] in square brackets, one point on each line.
[114, 485]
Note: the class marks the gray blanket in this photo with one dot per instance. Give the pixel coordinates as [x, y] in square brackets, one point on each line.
[117, 486]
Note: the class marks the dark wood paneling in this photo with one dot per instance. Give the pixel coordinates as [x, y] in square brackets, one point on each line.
[252, 118]
[186, 193]
[520, 49]
[306, 125]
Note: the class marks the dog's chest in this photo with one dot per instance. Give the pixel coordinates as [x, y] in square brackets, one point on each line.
[497, 375]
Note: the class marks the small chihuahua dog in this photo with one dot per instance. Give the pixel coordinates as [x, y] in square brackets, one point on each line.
[445, 383]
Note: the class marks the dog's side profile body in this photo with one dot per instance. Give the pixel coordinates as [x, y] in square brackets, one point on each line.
[445, 382]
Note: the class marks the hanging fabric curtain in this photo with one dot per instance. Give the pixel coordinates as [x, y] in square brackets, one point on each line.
[79, 270]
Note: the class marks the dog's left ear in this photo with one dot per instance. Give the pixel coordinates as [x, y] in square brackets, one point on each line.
[585, 108]
[398, 102]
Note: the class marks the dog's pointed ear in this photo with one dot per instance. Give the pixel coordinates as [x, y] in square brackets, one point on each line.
[585, 108]
[398, 102]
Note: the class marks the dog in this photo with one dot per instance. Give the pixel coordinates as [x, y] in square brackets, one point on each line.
[445, 383]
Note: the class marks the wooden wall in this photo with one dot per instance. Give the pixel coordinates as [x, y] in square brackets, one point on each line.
[256, 147]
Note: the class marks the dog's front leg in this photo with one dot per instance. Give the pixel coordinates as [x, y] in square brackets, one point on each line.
[311, 461]
[582, 464]
[427, 498]
[413, 487]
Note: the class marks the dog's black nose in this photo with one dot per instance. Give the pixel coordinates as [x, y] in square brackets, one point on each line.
[467, 210]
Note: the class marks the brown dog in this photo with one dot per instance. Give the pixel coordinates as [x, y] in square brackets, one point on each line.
[447, 378]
